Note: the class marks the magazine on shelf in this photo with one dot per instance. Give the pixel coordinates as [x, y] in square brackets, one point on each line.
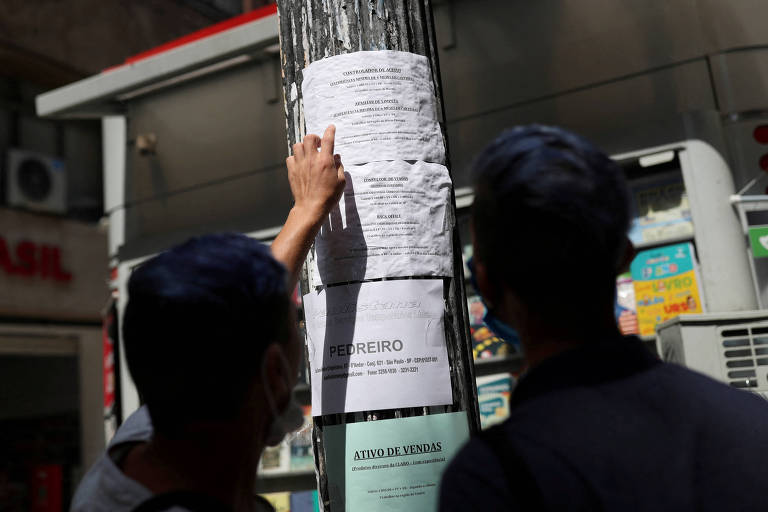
[280, 500]
[666, 282]
[662, 209]
[304, 501]
[485, 343]
[275, 459]
[626, 306]
[493, 393]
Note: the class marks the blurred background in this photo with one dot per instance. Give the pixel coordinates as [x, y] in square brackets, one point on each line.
[54, 264]
[127, 126]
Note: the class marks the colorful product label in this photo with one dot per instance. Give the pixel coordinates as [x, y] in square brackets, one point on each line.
[625, 308]
[493, 393]
[666, 285]
[280, 500]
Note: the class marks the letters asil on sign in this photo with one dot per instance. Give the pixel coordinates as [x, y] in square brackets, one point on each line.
[30, 259]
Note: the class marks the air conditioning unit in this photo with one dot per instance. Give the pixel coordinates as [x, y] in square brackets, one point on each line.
[729, 347]
[36, 182]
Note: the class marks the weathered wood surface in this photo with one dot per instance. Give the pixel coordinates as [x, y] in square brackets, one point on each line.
[311, 30]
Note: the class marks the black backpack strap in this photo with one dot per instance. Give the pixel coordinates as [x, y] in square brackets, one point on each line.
[522, 485]
[190, 500]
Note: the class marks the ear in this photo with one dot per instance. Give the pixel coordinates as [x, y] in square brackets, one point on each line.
[627, 257]
[483, 280]
[274, 374]
[487, 290]
[505, 304]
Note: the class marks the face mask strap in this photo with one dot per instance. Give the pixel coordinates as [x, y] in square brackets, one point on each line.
[268, 393]
[289, 419]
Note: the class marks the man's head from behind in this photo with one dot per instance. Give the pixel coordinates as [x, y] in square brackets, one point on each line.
[550, 218]
[198, 321]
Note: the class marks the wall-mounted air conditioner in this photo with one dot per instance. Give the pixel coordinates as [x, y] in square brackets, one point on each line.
[35, 182]
[729, 347]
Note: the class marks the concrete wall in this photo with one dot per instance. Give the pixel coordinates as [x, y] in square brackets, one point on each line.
[48, 43]
[606, 69]
[627, 73]
[78, 143]
[220, 159]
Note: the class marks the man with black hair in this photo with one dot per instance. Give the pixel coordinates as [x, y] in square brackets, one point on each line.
[211, 342]
[597, 422]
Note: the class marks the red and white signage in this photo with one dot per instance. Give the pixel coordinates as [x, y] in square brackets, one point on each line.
[27, 258]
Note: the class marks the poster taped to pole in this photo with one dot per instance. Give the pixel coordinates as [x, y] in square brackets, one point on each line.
[377, 345]
[392, 221]
[391, 465]
[382, 103]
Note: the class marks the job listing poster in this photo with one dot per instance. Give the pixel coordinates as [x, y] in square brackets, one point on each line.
[377, 345]
[391, 465]
[382, 103]
[393, 220]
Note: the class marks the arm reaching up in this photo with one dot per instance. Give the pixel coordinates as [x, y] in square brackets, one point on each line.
[317, 182]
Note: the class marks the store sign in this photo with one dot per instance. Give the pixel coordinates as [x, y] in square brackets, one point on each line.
[108, 362]
[758, 241]
[51, 267]
[26, 258]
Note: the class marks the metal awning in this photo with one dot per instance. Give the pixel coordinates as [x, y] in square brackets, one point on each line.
[229, 43]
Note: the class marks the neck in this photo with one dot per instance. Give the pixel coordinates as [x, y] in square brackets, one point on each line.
[218, 460]
[541, 342]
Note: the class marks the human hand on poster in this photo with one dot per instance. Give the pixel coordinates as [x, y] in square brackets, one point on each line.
[316, 177]
[317, 182]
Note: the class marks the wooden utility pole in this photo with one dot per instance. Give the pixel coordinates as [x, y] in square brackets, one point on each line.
[311, 30]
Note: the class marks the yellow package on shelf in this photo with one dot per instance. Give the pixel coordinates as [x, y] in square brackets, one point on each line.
[280, 500]
[666, 285]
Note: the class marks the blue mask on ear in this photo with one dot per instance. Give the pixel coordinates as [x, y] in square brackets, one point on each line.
[500, 328]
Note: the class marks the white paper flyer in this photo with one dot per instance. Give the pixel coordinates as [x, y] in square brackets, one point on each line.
[392, 221]
[382, 103]
[377, 345]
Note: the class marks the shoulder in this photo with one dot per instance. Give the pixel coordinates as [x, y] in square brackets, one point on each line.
[473, 480]
[717, 408]
[104, 486]
[664, 388]
[137, 427]
[489, 473]
[703, 393]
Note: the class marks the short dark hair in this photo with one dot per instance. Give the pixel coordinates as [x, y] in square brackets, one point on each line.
[550, 218]
[198, 319]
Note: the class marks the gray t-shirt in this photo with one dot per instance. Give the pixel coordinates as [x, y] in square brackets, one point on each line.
[105, 487]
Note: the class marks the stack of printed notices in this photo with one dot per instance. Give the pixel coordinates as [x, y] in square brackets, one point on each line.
[375, 313]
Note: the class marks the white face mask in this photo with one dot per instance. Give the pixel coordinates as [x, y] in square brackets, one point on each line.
[291, 418]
